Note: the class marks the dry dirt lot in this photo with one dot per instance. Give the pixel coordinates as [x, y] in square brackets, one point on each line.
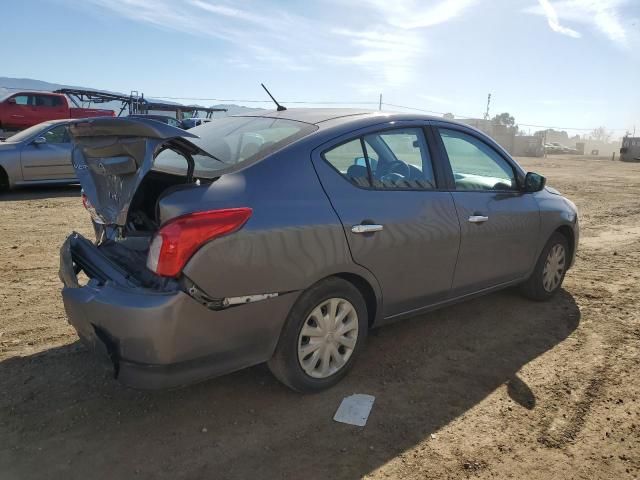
[498, 387]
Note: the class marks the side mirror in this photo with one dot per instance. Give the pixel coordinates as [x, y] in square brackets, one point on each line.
[12, 101]
[534, 182]
[39, 141]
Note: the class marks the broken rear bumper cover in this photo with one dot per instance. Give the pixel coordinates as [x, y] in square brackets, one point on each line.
[158, 339]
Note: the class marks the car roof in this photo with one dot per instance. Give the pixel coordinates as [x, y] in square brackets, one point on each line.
[334, 116]
[150, 115]
[32, 92]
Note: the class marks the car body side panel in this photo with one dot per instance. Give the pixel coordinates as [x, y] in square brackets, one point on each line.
[503, 248]
[556, 212]
[292, 240]
[49, 161]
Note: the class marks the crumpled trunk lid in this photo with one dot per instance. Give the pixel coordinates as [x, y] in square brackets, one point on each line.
[111, 156]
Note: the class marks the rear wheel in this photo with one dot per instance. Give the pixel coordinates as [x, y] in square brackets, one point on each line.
[550, 269]
[322, 336]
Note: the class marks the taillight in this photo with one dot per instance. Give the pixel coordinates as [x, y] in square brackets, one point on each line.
[178, 240]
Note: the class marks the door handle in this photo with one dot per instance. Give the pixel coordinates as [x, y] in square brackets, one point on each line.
[366, 228]
[478, 218]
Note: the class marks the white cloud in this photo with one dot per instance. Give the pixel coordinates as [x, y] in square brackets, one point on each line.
[383, 40]
[410, 14]
[603, 15]
[554, 23]
[393, 41]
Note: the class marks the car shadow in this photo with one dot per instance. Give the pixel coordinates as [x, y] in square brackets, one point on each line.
[61, 416]
[41, 192]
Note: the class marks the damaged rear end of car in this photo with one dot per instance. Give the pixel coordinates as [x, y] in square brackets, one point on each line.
[126, 293]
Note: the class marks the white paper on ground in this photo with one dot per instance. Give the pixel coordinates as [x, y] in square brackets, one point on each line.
[355, 409]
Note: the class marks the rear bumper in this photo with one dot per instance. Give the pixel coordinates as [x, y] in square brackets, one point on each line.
[160, 340]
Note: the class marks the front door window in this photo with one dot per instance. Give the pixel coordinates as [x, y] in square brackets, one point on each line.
[475, 165]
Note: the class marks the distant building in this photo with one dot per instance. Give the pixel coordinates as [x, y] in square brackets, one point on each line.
[518, 145]
[630, 150]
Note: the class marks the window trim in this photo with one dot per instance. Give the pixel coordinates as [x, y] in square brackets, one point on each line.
[439, 178]
[517, 170]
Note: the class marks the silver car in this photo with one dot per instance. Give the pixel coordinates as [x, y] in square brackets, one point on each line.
[38, 155]
[284, 236]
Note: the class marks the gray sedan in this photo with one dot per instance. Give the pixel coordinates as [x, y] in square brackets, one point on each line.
[284, 236]
[38, 155]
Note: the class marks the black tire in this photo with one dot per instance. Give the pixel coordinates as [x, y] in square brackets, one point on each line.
[4, 181]
[285, 365]
[534, 288]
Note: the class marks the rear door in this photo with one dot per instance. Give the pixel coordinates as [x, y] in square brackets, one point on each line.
[385, 188]
[50, 160]
[499, 223]
[49, 107]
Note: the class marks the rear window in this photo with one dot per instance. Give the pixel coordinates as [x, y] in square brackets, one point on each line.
[234, 140]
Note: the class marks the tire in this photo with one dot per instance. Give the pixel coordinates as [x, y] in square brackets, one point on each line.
[312, 372]
[4, 181]
[543, 284]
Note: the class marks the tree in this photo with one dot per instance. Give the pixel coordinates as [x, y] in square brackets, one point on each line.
[504, 119]
[448, 116]
[601, 134]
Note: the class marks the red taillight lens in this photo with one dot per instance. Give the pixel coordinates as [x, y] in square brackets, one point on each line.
[178, 240]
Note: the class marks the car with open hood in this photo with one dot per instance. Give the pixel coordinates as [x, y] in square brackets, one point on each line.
[284, 236]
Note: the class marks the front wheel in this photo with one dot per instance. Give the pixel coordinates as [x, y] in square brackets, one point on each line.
[322, 336]
[547, 277]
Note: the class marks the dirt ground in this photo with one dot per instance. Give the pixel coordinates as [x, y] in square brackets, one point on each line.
[498, 387]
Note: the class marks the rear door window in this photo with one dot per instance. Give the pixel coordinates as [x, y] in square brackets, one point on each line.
[349, 159]
[400, 159]
[46, 101]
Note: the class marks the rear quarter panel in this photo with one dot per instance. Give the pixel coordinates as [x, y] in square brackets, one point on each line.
[293, 238]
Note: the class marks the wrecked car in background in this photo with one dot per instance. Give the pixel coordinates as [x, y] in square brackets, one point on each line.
[283, 236]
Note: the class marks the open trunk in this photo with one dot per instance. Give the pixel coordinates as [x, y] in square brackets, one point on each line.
[113, 160]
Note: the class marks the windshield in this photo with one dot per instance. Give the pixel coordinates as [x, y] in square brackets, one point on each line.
[24, 134]
[233, 140]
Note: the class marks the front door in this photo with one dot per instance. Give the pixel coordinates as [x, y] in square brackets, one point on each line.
[398, 225]
[19, 111]
[50, 160]
[499, 223]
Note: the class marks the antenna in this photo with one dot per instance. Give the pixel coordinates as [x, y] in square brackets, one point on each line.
[280, 107]
[486, 114]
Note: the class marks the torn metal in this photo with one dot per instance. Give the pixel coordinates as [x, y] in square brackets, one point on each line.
[111, 156]
[222, 303]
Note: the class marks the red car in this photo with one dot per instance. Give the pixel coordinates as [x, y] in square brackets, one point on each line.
[25, 109]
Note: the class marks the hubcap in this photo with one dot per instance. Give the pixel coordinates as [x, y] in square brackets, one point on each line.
[328, 337]
[553, 268]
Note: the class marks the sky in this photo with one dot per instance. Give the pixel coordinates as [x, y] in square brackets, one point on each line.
[565, 63]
